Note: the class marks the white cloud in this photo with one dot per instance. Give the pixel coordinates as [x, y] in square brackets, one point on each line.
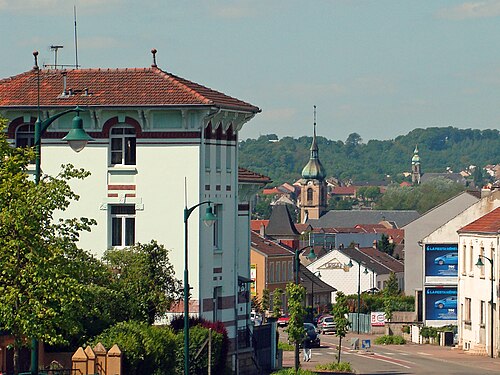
[478, 9]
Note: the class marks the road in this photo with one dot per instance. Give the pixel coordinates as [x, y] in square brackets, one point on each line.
[399, 359]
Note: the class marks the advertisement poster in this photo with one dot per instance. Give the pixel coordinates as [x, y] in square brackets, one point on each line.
[441, 260]
[441, 303]
[378, 319]
[253, 277]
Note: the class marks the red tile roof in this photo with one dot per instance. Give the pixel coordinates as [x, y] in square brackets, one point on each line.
[256, 224]
[344, 190]
[489, 223]
[268, 247]
[245, 175]
[112, 87]
[393, 264]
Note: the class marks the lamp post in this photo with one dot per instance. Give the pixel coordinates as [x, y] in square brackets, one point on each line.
[209, 219]
[310, 256]
[350, 264]
[77, 139]
[481, 264]
[317, 273]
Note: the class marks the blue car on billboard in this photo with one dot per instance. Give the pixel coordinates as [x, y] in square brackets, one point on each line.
[450, 258]
[446, 303]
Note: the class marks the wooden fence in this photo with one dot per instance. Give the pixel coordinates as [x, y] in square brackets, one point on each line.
[97, 361]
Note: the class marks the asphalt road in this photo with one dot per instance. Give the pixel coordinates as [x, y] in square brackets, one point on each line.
[399, 359]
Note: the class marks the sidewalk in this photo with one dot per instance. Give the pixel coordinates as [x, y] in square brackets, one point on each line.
[440, 353]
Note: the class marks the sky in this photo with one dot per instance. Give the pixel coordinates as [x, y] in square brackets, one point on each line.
[378, 68]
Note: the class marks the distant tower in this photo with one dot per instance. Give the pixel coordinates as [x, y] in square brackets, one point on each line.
[415, 167]
[313, 184]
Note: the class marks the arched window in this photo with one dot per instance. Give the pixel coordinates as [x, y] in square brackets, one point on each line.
[25, 135]
[123, 145]
[309, 195]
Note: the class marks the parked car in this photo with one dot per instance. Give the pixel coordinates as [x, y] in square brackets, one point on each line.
[326, 324]
[450, 258]
[283, 321]
[446, 303]
[312, 335]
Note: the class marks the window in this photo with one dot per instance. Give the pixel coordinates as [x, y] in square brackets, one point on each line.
[123, 146]
[481, 269]
[207, 157]
[228, 158]
[283, 271]
[309, 195]
[218, 157]
[462, 261]
[217, 227]
[290, 270]
[482, 313]
[122, 225]
[278, 272]
[467, 309]
[471, 259]
[25, 135]
[271, 272]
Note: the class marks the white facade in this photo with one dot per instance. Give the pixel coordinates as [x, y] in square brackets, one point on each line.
[475, 292]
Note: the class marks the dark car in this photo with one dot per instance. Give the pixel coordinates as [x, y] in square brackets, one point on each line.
[312, 335]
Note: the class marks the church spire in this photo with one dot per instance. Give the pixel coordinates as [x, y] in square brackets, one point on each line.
[314, 170]
[416, 173]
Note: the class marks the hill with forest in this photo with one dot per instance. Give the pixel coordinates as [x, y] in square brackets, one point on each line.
[439, 149]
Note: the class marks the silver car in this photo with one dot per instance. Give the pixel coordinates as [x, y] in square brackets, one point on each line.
[326, 324]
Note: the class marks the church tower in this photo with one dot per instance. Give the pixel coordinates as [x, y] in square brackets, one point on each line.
[313, 185]
[415, 167]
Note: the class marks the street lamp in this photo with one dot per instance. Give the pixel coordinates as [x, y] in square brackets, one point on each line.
[311, 256]
[209, 219]
[481, 264]
[317, 273]
[350, 265]
[77, 139]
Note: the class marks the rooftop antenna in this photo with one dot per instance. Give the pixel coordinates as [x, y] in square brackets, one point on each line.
[55, 48]
[314, 120]
[76, 39]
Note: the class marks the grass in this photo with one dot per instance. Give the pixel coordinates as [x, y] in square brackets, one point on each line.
[286, 347]
[291, 371]
[390, 340]
[334, 366]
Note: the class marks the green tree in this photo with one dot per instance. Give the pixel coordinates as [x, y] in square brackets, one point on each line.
[266, 300]
[340, 313]
[256, 304]
[277, 302]
[392, 287]
[384, 245]
[296, 295]
[145, 277]
[39, 284]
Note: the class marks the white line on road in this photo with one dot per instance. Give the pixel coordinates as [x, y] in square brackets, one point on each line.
[422, 353]
[381, 359]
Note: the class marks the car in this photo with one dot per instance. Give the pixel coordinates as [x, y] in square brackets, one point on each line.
[256, 318]
[326, 324]
[446, 303]
[312, 335]
[283, 321]
[450, 258]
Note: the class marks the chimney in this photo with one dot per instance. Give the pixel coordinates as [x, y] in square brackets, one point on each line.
[65, 91]
[262, 230]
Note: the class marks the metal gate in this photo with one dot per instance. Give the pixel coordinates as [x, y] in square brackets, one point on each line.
[364, 322]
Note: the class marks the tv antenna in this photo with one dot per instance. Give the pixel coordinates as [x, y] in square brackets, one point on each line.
[76, 39]
[55, 48]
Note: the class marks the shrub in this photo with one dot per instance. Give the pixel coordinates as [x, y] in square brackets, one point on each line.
[286, 347]
[405, 329]
[291, 371]
[390, 340]
[337, 367]
[428, 332]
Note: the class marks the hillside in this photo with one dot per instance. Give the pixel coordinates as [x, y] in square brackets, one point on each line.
[354, 159]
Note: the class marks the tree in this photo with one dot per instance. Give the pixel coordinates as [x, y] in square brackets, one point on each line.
[340, 313]
[296, 294]
[266, 300]
[40, 289]
[256, 304]
[144, 276]
[277, 302]
[384, 245]
[392, 287]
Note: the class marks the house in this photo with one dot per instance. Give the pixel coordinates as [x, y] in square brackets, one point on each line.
[350, 218]
[479, 323]
[161, 144]
[442, 256]
[421, 227]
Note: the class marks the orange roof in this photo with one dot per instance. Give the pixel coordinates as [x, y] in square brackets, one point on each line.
[270, 191]
[344, 190]
[244, 175]
[112, 87]
[256, 224]
[489, 223]
[405, 184]
[269, 247]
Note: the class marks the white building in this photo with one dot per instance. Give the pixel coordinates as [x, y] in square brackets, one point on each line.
[478, 285]
[161, 143]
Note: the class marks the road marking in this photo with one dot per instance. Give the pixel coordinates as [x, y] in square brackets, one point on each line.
[381, 358]
[422, 353]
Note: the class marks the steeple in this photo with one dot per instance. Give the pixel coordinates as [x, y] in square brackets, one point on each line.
[314, 170]
[415, 167]
[313, 184]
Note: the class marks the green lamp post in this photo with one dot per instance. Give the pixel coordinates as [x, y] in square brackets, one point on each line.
[209, 219]
[77, 139]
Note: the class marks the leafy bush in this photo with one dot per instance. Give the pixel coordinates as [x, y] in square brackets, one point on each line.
[390, 340]
[334, 366]
[428, 332]
[405, 329]
[146, 349]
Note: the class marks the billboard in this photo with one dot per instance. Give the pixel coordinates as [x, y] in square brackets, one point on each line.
[441, 304]
[441, 260]
[378, 319]
[253, 277]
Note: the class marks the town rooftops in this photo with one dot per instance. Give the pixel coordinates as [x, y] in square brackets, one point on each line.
[127, 87]
[393, 264]
[350, 218]
[488, 224]
[247, 176]
[370, 262]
